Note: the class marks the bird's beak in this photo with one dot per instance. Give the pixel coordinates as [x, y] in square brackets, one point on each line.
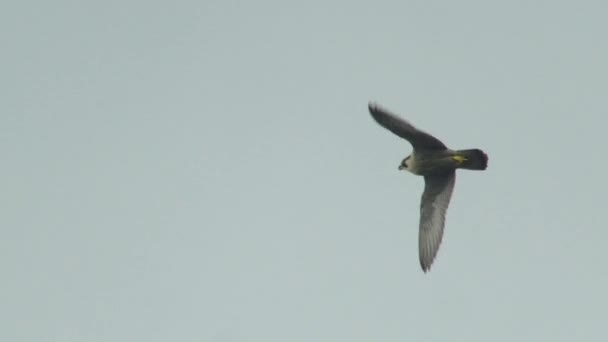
[401, 167]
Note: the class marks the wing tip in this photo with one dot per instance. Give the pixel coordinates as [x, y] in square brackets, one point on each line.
[426, 266]
[372, 106]
[379, 113]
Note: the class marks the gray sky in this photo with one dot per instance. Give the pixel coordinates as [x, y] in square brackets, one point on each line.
[208, 171]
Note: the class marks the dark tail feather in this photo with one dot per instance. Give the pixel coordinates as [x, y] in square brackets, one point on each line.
[475, 159]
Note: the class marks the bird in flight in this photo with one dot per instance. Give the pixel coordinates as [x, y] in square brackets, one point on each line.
[437, 164]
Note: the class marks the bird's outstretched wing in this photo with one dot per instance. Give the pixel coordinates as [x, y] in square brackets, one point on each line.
[404, 129]
[435, 201]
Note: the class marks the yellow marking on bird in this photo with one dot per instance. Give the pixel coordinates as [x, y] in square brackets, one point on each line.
[459, 159]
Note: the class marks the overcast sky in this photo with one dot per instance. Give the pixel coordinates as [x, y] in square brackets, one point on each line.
[208, 170]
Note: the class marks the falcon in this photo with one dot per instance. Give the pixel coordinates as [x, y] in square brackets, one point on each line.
[434, 161]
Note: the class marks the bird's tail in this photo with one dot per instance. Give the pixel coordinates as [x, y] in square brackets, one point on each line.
[473, 159]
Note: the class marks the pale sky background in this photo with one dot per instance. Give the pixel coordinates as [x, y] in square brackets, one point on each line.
[208, 170]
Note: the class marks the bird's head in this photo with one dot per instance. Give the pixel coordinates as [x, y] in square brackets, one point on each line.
[405, 163]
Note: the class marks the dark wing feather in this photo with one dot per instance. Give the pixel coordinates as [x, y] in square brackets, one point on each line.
[404, 129]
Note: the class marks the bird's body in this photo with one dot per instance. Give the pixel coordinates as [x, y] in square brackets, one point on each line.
[437, 164]
[434, 162]
[429, 163]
